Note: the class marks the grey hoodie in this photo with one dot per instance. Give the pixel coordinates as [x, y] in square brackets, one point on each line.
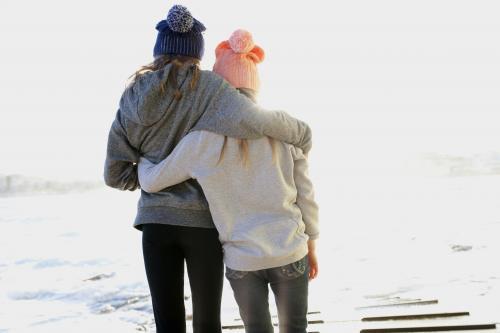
[151, 122]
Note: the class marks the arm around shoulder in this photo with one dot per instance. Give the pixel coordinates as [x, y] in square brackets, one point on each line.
[232, 114]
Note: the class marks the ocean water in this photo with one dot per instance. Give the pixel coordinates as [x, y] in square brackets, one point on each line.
[73, 261]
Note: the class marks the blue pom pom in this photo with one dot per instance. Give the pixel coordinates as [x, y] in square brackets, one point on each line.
[179, 19]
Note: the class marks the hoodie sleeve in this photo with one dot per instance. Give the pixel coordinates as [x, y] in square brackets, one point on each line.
[175, 168]
[232, 114]
[120, 168]
[305, 194]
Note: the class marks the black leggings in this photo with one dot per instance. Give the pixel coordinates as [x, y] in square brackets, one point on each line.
[165, 247]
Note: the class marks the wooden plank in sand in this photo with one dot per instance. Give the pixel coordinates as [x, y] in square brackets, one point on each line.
[430, 328]
[417, 316]
[433, 301]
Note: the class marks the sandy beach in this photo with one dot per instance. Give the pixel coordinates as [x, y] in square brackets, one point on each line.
[74, 261]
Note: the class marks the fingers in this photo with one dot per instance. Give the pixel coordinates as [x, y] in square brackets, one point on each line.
[313, 262]
[313, 271]
[312, 274]
[315, 275]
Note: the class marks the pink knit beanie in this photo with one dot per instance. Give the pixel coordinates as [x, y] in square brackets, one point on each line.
[236, 60]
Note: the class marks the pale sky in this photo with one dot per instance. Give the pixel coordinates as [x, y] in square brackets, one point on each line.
[376, 80]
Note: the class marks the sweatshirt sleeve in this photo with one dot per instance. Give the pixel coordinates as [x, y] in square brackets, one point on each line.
[120, 167]
[233, 114]
[305, 195]
[173, 170]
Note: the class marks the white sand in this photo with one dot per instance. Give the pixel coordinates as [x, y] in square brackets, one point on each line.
[427, 238]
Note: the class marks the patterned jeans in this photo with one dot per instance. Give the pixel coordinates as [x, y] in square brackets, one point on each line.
[289, 284]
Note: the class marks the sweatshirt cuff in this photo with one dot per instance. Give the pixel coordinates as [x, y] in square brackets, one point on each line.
[314, 237]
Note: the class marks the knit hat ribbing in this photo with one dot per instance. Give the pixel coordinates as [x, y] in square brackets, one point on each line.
[180, 34]
[236, 60]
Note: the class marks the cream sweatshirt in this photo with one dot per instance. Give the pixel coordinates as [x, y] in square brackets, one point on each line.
[264, 209]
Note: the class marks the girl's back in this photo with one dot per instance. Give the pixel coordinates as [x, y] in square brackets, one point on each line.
[257, 196]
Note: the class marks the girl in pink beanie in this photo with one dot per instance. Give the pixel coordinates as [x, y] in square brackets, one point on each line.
[236, 61]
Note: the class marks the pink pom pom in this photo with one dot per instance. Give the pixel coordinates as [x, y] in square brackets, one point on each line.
[241, 41]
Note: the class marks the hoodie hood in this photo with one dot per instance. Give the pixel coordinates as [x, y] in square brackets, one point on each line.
[144, 102]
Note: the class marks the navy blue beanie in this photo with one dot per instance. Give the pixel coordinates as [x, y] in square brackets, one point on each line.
[180, 34]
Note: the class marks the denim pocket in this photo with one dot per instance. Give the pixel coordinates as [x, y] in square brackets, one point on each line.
[234, 274]
[295, 269]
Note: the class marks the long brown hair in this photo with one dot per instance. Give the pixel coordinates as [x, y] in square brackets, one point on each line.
[177, 62]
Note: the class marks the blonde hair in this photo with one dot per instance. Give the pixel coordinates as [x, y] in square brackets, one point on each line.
[243, 148]
[243, 143]
[177, 62]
